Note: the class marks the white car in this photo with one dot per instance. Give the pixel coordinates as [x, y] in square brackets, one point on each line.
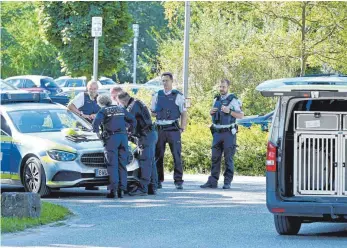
[34, 83]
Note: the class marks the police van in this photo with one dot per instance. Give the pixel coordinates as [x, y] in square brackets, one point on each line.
[307, 150]
[45, 146]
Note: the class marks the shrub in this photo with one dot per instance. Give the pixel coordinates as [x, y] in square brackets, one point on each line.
[196, 151]
[251, 151]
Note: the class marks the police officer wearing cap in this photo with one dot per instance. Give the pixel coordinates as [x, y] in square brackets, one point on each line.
[85, 105]
[147, 138]
[226, 109]
[168, 107]
[113, 119]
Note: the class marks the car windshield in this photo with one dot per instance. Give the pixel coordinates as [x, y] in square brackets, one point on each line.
[44, 120]
[107, 82]
[48, 83]
[6, 86]
[75, 82]
[60, 82]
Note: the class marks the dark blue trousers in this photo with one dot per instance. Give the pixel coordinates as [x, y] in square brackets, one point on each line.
[223, 142]
[154, 175]
[147, 143]
[173, 137]
[116, 154]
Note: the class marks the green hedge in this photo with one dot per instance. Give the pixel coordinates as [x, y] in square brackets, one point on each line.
[196, 150]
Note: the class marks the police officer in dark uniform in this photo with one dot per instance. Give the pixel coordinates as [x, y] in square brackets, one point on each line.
[113, 120]
[168, 107]
[147, 139]
[226, 109]
[85, 105]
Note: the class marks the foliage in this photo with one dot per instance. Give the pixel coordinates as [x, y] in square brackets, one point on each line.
[307, 33]
[252, 42]
[251, 151]
[67, 25]
[150, 17]
[23, 47]
[196, 150]
[49, 213]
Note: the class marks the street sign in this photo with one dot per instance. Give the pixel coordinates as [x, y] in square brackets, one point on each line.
[96, 26]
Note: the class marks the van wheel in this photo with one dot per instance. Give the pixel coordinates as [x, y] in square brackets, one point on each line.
[34, 178]
[287, 225]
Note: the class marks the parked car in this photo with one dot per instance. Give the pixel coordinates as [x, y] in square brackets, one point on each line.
[35, 83]
[154, 84]
[6, 87]
[45, 146]
[71, 82]
[306, 152]
[263, 120]
[106, 81]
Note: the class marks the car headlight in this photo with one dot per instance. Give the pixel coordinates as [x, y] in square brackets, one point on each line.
[61, 155]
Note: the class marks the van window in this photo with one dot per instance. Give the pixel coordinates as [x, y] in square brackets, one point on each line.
[275, 125]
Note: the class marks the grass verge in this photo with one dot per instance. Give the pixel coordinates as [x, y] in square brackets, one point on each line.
[49, 213]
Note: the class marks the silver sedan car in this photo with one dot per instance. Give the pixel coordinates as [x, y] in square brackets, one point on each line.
[45, 146]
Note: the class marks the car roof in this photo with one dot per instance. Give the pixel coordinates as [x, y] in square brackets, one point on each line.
[323, 83]
[29, 105]
[35, 78]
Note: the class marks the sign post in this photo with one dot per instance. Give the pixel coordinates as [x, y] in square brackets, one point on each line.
[96, 33]
[136, 35]
[186, 53]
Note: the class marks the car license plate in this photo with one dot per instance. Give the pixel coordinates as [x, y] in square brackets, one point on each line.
[101, 172]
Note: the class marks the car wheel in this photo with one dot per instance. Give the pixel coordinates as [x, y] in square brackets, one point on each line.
[287, 225]
[34, 178]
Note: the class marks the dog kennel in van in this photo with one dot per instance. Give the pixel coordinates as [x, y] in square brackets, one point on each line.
[320, 149]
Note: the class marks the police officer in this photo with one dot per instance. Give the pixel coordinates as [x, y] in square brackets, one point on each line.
[85, 105]
[147, 136]
[168, 107]
[114, 92]
[226, 109]
[112, 119]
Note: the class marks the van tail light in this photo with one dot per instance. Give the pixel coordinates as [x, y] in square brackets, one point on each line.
[271, 156]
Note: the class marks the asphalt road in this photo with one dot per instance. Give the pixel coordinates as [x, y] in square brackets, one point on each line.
[192, 217]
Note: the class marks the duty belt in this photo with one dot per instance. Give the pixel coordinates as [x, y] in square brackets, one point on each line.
[163, 127]
[223, 130]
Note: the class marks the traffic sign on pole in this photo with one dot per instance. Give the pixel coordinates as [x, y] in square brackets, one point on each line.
[96, 26]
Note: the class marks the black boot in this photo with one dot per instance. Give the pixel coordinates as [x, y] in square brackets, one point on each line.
[120, 193]
[138, 191]
[152, 190]
[208, 185]
[111, 194]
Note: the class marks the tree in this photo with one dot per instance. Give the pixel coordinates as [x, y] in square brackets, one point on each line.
[247, 44]
[314, 32]
[150, 16]
[23, 47]
[67, 25]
